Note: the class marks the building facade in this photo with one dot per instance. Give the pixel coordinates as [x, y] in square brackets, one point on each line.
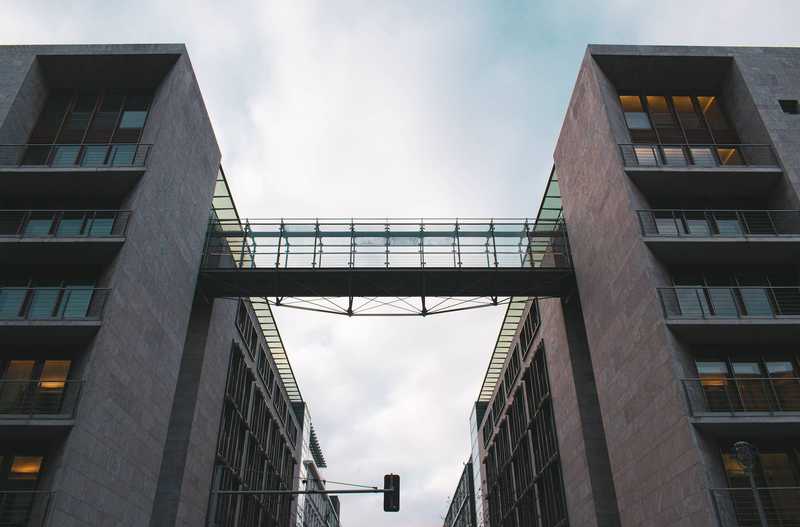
[461, 512]
[677, 172]
[127, 397]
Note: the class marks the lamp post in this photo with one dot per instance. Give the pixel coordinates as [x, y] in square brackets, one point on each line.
[746, 455]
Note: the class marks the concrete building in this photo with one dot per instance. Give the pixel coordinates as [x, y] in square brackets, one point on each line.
[127, 396]
[677, 172]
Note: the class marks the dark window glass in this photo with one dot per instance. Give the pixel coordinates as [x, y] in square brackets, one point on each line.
[105, 120]
[663, 120]
[77, 121]
[50, 121]
[691, 121]
[721, 129]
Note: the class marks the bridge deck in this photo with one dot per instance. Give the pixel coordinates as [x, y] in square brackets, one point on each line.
[394, 282]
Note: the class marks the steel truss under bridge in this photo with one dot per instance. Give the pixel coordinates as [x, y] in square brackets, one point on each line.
[386, 266]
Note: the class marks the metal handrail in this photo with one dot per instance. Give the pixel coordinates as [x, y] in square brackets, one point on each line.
[30, 508]
[39, 399]
[698, 155]
[737, 506]
[724, 223]
[691, 302]
[52, 303]
[387, 243]
[736, 396]
[43, 223]
[83, 155]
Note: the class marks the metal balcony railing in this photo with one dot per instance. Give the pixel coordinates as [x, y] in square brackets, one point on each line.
[736, 396]
[690, 302]
[25, 508]
[736, 507]
[42, 399]
[52, 303]
[719, 223]
[709, 156]
[74, 156]
[63, 223]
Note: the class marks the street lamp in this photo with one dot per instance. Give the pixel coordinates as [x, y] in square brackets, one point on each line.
[746, 455]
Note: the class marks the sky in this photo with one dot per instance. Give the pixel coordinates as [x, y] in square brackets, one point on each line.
[397, 108]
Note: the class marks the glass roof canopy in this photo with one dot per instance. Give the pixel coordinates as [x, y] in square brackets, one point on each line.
[224, 213]
[550, 209]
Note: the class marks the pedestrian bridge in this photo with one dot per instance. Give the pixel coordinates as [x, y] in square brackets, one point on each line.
[371, 266]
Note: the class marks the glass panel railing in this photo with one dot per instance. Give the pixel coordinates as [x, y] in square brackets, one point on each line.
[74, 155]
[63, 224]
[701, 156]
[25, 508]
[389, 244]
[730, 302]
[35, 398]
[52, 303]
[773, 506]
[721, 223]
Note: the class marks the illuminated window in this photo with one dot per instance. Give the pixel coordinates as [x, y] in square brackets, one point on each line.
[635, 116]
[54, 374]
[25, 468]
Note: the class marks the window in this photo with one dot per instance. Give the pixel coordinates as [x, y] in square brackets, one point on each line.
[25, 468]
[522, 464]
[680, 120]
[33, 386]
[789, 106]
[757, 384]
[635, 116]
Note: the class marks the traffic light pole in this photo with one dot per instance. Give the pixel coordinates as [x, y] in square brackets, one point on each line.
[391, 492]
[359, 491]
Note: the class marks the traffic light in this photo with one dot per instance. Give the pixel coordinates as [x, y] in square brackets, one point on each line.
[391, 499]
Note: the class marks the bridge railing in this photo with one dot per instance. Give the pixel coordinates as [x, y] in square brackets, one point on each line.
[392, 243]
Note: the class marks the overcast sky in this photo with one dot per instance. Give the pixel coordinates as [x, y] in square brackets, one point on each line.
[366, 108]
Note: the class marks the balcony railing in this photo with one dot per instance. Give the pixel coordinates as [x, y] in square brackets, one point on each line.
[387, 243]
[719, 223]
[52, 303]
[42, 399]
[730, 302]
[25, 508]
[708, 156]
[74, 156]
[63, 223]
[736, 396]
[736, 507]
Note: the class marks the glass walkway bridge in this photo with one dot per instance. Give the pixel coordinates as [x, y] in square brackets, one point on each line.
[373, 260]
[385, 266]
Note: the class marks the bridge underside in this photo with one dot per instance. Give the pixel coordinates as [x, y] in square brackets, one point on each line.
[415, 282]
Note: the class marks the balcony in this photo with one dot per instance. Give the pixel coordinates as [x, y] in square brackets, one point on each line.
[729, 405]
[64, 312]
[45, 404]
[699, 170]
[722, 236]
[68, 236]
[736, 507]
[104, 170]
[732, 314]
[25, 508]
